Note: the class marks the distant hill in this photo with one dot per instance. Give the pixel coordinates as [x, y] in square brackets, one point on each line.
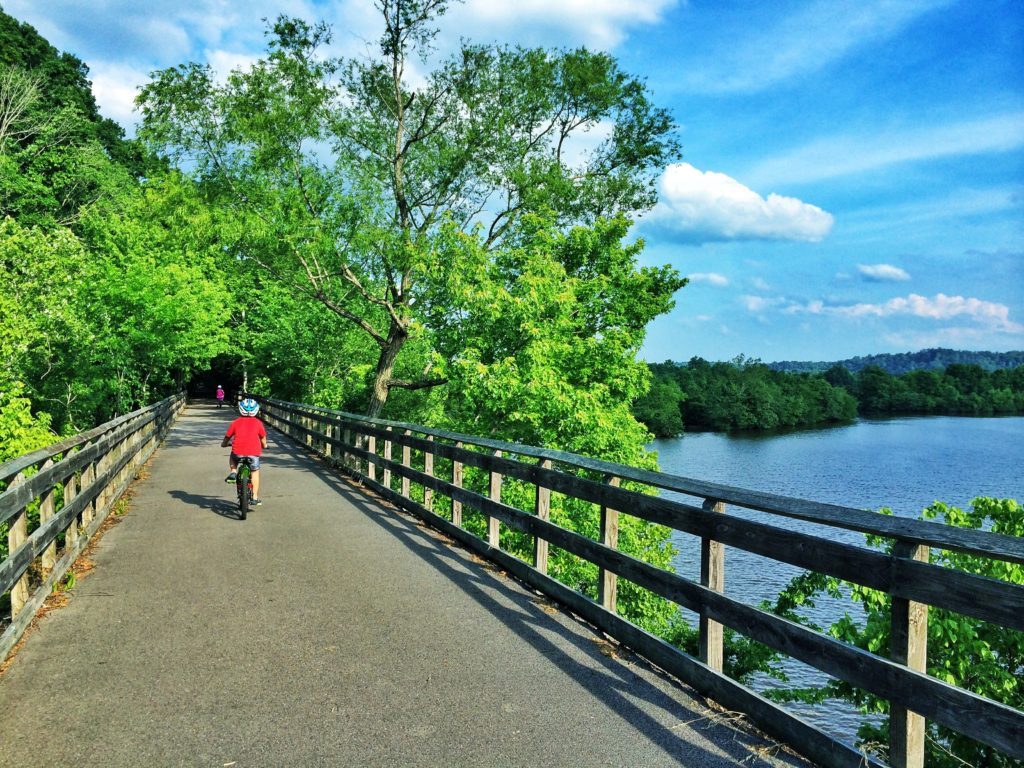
[904, 362]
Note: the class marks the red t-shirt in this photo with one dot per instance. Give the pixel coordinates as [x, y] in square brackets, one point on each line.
[247, 431]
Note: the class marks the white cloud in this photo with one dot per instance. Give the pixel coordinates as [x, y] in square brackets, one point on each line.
[712, 278]
[601, 24]
[847, 155]
[706, 206]
[991, 315]
[958, 337]
[882, 273]
[759, 304]
[582, 144]
[115, 87]
[802, 43]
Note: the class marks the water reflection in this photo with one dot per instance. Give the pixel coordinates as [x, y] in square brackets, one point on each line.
[904, 464]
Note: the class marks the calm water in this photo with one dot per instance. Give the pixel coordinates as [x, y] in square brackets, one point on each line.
[904, 464]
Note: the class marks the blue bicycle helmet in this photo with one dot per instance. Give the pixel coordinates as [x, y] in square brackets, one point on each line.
[248, 407]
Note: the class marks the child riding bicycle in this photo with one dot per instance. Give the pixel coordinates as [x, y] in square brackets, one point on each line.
[247, 437]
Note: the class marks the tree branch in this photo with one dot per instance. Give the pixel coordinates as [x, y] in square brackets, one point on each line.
[422, 384]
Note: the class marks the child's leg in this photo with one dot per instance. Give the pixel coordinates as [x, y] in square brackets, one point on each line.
[256, 484]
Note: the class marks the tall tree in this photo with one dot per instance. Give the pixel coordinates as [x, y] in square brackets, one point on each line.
[347, 180]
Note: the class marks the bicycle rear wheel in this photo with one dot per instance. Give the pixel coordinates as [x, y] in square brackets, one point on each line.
[242, 484]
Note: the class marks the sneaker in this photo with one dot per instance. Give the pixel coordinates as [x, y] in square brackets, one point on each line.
[231, 477]
[257, 502]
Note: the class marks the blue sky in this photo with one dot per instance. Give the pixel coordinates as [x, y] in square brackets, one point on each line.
[853, 172]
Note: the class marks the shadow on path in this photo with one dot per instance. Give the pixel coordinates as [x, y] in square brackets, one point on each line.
[609, 680]
[216, 504]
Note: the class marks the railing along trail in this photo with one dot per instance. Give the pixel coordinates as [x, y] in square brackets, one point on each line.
[442, 477]
[72, 485]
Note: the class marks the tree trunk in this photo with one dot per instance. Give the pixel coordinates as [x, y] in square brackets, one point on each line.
[398, 334]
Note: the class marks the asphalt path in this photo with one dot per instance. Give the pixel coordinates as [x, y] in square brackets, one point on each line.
[327, 629]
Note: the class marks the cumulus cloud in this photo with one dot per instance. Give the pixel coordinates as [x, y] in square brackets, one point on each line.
[706, 206]
[712, 278]
[882, 273]
[115, 87]
[940, 307]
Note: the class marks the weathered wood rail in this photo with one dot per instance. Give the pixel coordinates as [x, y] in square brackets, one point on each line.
[72, 485]
[365, 448]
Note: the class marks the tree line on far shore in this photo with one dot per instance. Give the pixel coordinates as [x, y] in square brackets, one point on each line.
[746, 394]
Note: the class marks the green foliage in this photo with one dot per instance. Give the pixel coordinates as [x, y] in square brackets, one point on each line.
[746, 394]
[976, 655]
[102, 322]
[479, 147]
[659, 409]
[21, 431]
[112, 293]
[743, 394]
[967, 390]
[904, 362]
[540, 343]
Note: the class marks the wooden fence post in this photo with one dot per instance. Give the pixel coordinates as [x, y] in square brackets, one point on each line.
[607, 581]
[542, 508]
[493, 524]
[428, 470]
[712, 576]
[387, 458]
[346, 441]
[48, 559]
[70, 491]
[457, 482]
[371, 468]
[99, 467]
[406, 462]
[17, 534]
[88, 477]
[909, 647]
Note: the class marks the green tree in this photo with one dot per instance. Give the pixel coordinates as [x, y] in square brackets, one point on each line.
[659, 408]
[484, 142]
[62, 88]
[875, 390]
[743, 394]
[839, 376]
[99, 323]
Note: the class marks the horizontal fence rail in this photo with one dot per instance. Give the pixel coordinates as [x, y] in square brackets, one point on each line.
[55, 499]
[367, 449]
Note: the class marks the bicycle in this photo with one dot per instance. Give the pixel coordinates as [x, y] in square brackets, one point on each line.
[243, 484]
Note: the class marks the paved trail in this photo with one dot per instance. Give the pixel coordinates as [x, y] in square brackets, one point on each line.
[327, 629]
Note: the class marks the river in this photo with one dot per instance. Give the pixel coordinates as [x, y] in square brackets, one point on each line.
[904, 464]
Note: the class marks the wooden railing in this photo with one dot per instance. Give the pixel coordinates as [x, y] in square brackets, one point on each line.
[366, 448]
[66, 491]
